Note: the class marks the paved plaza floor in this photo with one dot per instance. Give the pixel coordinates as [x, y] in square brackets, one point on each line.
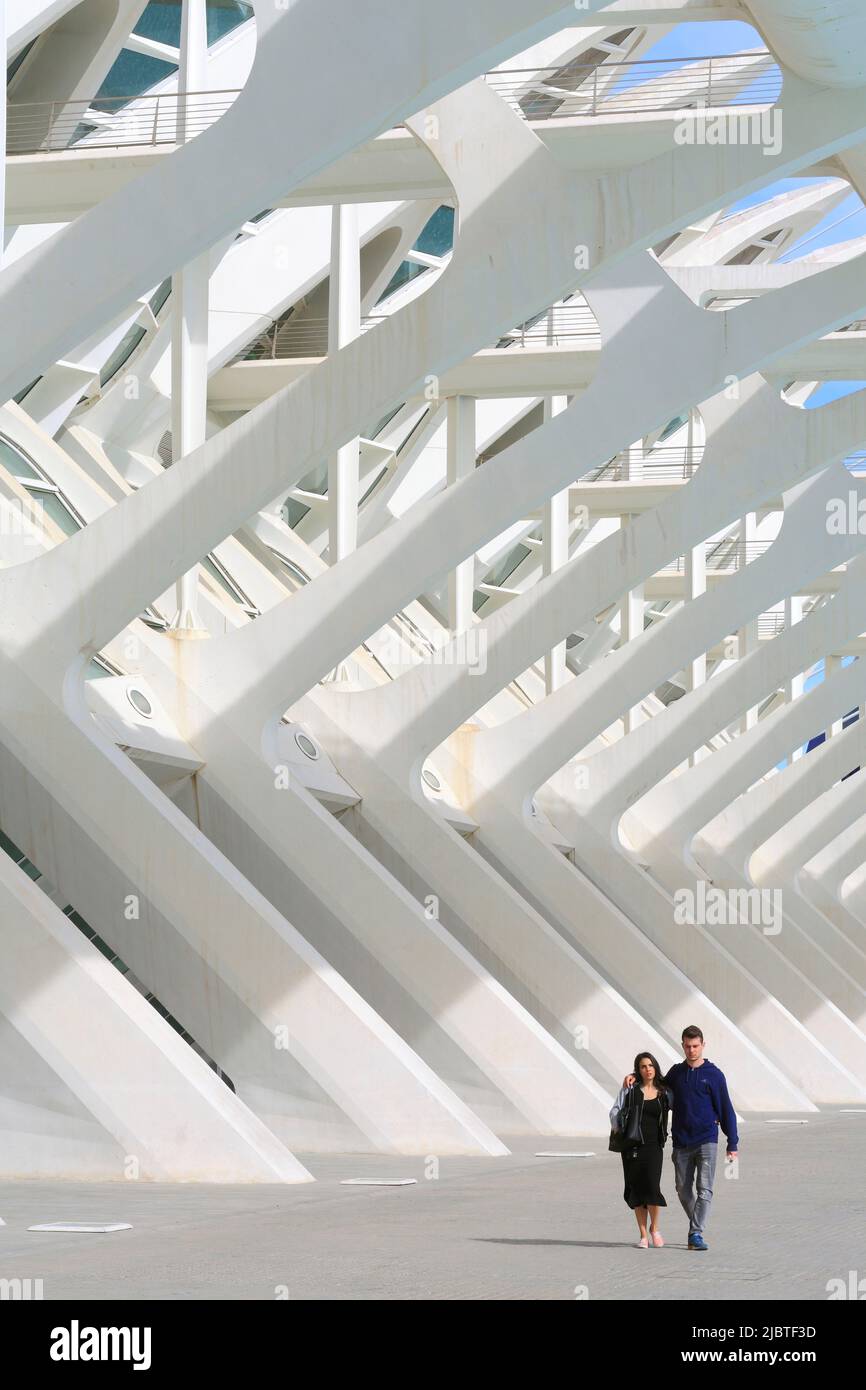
[520, 1227]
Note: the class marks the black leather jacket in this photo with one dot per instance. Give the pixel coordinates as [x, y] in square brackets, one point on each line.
[631, 1113]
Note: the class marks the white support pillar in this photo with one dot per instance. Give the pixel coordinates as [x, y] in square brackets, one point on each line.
[634, 457]
[460, 464]
[794, 684]
[344, 325]
[832, 664]
[189, 314]
[748, 636]
[631, 625]
[555, 552]
[695, 585]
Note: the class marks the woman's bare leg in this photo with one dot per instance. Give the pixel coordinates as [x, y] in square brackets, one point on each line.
[655, 1233]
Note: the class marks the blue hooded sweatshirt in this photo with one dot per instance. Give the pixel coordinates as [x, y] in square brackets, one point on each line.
[700, 1104]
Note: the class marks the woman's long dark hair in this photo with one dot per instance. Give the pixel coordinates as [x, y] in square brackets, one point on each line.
[658, 1079]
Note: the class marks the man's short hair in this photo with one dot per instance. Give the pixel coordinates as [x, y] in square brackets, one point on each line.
[692, 1032]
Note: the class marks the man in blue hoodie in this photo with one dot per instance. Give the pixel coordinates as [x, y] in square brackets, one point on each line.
[700, 1104]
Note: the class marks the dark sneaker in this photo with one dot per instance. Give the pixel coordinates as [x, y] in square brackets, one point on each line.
[697, 1242]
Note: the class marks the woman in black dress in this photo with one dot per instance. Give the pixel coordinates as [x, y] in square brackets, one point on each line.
[643, 1111]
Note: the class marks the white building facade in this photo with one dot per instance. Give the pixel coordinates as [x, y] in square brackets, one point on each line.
[432, 531]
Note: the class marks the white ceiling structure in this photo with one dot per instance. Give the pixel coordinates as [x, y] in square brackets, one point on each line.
[432, 517]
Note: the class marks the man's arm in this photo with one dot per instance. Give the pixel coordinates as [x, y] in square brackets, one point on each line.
[727, 1115]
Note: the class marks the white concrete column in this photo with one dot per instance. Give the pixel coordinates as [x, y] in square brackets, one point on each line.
[461, 464]
[747, 637]
[832, 664]
[344, 325]
[555, 552]
[695, 585]
[634, 456]
[794, 684]
[189, 315]
[631, 625]
[192, 69]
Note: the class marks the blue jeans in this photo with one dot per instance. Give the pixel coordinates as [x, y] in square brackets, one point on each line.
[689, 1164]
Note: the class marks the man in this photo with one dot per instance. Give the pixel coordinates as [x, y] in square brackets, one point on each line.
[700, 1104]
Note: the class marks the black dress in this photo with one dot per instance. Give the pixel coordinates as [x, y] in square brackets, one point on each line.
[642, 1167]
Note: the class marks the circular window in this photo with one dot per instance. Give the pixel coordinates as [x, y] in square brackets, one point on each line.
[431, 779]
[306, 745]
[139, 702]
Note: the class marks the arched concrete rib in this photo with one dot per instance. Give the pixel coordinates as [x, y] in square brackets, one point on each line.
[706, 789]
[827, 880]
[753, 966]
[546, 1084]
[727, 843]
[441, 532]
[623, 773]
[295, 1011]
[275, 826]
[288, 130]
[842, 444]
[825, 43]
[539, 947]
[411, 716]
[546, 1087]
[825, 844]
[821, 954]
[120, 562]
[852, 894]
[105, 1078]
[796, 830]
[514, 759]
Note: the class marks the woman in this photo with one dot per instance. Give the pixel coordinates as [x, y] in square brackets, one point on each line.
[641, 1112]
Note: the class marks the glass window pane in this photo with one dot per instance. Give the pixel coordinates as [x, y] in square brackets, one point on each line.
[122, 353]
[54, 507]
[437, 238]
[15, 463]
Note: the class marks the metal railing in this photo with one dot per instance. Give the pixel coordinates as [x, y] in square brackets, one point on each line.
[555, 327]
[727, 556]
[640, 85]
[170, 118]
[308, 337]
[770, 625]
[610, 88]
[296, 337]
[666, 463]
